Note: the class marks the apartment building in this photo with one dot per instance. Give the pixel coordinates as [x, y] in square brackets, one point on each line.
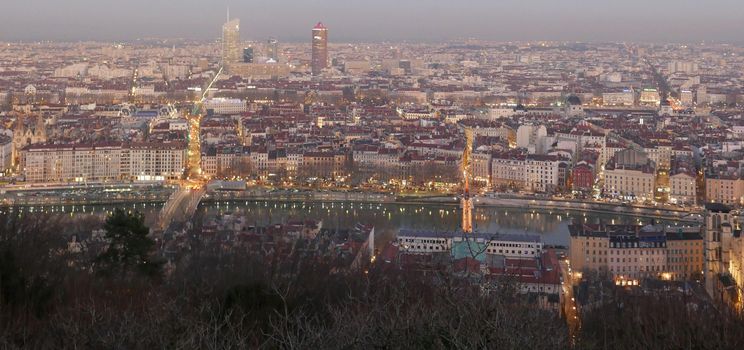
[630, 175]
[538, 173]
[683, 181]
[637, 255]
[508, 171]
[588, 248]
[725, 188]
[633, 252]
[102, 162]
[225, 106]
[685, 254]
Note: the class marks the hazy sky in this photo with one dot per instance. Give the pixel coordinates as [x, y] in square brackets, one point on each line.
[377, 20]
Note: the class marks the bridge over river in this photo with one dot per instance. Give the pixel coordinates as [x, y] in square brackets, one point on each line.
[181, 206]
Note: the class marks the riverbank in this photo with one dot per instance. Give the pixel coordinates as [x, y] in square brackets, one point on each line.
[255, 194]
[84, 194]
[527, 204]
[595, 207]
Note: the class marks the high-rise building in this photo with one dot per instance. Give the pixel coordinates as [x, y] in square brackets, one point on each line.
[320, 48]
[682, 67]
[231, 42]
[272, 46]
[248, 55]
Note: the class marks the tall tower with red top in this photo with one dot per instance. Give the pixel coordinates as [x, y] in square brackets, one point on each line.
[320, 48]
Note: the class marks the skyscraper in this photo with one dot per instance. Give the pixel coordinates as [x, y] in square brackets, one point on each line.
[320, 48]
[248, 55]
[231, 42]
[273, 49]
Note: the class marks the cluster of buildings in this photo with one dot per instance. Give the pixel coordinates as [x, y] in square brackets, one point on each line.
[631, 255]
[616, 122]
[646, 123]
[482, 258]
[724, 254]
[95, 145]
[534, 74]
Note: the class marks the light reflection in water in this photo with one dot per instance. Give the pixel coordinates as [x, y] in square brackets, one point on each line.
[387, 218]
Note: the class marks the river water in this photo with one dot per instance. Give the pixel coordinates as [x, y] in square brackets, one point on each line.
[552, 226]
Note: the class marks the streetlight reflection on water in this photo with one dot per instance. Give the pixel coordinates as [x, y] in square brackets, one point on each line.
[391, 217]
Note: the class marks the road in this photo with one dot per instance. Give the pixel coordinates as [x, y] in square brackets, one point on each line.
[194, 170]
[180, 206]
[330, 196]
[570, 307]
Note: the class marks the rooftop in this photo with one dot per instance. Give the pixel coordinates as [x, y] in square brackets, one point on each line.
[479, 235]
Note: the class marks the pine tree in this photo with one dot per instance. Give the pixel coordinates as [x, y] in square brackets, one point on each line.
[129, 247]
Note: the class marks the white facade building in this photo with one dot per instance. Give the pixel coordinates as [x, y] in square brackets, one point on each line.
[226, 105]
[102, 162]
[529, 135]
[510, 246]
[622, 98]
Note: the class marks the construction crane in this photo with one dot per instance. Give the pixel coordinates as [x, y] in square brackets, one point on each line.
[194, 129]
[198, 105]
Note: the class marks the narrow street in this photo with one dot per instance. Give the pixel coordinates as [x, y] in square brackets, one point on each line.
[570, 308]
[194, 148]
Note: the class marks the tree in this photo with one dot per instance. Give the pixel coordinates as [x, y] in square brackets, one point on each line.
[129, 246]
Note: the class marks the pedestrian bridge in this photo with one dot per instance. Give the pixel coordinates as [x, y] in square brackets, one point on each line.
[181, 206]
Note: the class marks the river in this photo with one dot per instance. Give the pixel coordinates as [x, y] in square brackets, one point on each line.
[552, 226]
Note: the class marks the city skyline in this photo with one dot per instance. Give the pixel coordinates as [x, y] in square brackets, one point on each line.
[576, 20]
[183, 174]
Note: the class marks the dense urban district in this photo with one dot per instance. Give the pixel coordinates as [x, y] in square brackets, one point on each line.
[651, 132]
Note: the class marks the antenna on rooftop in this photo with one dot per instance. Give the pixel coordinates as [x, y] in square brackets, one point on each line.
[228, 14]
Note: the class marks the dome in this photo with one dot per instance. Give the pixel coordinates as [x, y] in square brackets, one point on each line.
[573, 100]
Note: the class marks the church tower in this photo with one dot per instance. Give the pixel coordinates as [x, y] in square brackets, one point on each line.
[23, 136]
